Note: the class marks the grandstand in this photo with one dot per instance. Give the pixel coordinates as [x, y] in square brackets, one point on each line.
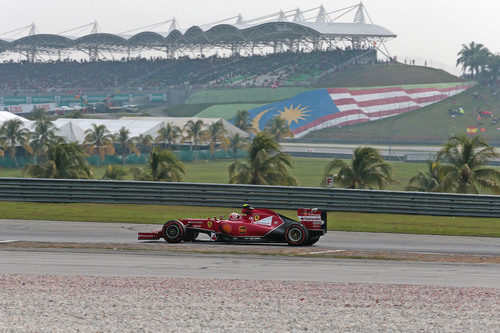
[286, 48]
[283, 69]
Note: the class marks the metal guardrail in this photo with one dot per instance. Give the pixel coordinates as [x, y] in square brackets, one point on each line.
[224, 195]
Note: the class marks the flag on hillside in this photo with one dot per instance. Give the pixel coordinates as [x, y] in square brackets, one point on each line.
[471, 130]
[322, 108]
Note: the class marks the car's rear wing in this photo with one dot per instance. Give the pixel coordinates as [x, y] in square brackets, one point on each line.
[313, 218]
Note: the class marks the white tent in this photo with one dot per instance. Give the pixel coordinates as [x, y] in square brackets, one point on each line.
[182, 121]
[4, 116]
[71, 132]
[74, 129]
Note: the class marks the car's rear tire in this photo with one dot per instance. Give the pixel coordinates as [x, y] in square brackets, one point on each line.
[296, 235]
[173, 231]
[191, 235]
[313, 240]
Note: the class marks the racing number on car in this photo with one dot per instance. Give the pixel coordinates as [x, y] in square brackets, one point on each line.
[243, 229]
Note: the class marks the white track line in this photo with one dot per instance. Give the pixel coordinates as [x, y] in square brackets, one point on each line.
[321, 252]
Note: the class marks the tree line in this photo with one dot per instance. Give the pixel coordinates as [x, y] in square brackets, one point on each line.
[55, 158]
[461, 165]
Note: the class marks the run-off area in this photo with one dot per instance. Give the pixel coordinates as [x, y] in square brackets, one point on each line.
[71, 303]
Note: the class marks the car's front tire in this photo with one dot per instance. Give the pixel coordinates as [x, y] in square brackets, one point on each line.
[296, 235]
[173, 231]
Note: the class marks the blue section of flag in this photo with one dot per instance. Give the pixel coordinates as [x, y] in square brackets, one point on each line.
[313, 104]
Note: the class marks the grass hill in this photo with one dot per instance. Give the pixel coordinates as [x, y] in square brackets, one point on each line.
[248, 95]
[225, 102]
[431, 123]
[186, 110]
[226, 111]
[386, 75]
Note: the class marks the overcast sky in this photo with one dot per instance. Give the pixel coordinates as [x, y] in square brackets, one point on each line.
[429, 29]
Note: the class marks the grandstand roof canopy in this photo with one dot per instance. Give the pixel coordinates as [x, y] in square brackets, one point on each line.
[267, 30]
[43, 41]
[218, 33]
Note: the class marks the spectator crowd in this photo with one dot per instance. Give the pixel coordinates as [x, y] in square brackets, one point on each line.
[158, 73]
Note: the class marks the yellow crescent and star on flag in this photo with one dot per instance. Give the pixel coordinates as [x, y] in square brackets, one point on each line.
[289, 113]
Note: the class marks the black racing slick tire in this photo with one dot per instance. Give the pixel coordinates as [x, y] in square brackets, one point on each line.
[191, 235]
[312, 240]
[173, 231]
[296, 235]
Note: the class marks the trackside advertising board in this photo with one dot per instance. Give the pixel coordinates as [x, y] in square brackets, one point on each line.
[27, 108]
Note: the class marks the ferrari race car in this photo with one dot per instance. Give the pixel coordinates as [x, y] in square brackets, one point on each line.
[252, 225]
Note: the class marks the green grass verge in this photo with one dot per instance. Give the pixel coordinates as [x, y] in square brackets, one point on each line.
[308, 171]
[157, 214]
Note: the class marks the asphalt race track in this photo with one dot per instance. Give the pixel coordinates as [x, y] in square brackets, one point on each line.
[248, 267]
[178, 265]
[89, 232]
[400, 151]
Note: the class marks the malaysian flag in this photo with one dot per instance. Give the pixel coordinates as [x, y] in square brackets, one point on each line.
[322, 108]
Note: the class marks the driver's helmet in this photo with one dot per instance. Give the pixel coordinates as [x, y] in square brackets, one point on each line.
[234, 216]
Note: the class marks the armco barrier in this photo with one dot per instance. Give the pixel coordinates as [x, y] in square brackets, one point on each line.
[223, 195]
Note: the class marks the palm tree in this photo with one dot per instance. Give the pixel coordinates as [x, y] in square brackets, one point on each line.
[169, 134]
[426, 182]
[236, 143]
[114, 172]
[278, 128]
[43, 135]
[163, 165]
[215, 133]
[14, 134]
[266, 164]
[99, 139]
[194, 130]
[473, 57]
[125, 143]
[242, 121]
[144, 142]
[38, 113]
[366, 169]
[64, 160]
[465, 170]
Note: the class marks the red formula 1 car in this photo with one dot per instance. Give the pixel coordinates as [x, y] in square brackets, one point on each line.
[252, 225]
